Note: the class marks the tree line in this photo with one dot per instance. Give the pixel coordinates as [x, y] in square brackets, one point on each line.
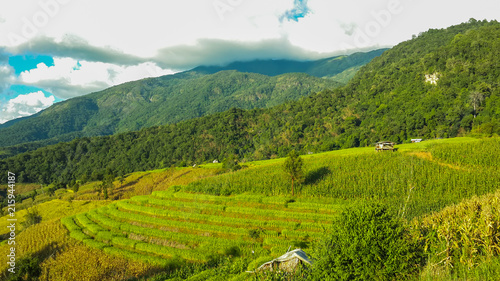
[389, 99]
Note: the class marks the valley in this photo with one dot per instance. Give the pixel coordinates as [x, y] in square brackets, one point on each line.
[210, 173]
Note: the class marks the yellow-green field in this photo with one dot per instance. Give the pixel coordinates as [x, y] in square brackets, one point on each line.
[215, 224]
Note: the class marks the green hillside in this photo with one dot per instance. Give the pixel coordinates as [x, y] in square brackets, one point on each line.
[388, 99]
[443, 192]
[250, 217]
[174, 98]
[157, 101]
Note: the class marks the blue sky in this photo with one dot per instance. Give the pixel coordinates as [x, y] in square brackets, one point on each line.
[25, 62]
[300, 10]
[21, 99]
[21, 63]
[53, 50]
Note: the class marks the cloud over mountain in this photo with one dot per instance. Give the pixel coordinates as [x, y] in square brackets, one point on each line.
[25, 105]
[220, 52]
[77, 48]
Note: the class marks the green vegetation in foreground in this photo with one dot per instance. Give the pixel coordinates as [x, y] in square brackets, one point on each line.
[252, 210]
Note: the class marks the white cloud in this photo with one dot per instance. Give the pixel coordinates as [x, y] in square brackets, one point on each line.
[25, 105]
[6, 76]
[69, 77]
[116, 41]
[141, 28]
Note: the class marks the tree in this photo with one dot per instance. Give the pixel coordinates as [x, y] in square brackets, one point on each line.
[231, 163]
[293, 166]
[105, 185]
[27, 268]
[121, 178]
[76, 186]
[476, 98]
[32, 217]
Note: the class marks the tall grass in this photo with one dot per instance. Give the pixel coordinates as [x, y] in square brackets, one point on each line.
[401, 180]
[462, 238]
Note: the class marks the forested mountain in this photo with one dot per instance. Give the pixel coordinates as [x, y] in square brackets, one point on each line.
[173, 98]
[442, 83]
[158, 101]
[340, 68]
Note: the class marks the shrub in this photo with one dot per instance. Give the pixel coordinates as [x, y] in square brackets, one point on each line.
[27, 268]
[254, 233]
[233, 251]
[32, 218]
[367, 243]
[231, 163]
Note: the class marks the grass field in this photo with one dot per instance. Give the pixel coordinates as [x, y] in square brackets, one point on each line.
[198, 227]
[408, 179]
[211, 224]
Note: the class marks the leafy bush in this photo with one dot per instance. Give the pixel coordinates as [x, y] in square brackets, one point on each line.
[231, 163]
[233, 251]
[367, 243]
[254, 233]
[32, 218]
[27, 268]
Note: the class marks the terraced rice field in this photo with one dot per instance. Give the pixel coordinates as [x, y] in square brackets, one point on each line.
[167, 224]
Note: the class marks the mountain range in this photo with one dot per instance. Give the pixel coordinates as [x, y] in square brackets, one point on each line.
[182, 96]
[443, 83]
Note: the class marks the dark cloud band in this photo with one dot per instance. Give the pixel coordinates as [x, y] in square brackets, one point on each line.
[77, 48]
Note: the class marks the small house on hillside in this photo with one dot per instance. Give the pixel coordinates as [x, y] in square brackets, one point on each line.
[385, 145]
[416, 140]
[288, 262]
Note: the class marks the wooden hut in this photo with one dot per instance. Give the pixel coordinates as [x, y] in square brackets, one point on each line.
[385, 145]
[288, 262]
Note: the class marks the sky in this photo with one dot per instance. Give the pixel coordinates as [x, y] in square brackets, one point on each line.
[53, 50]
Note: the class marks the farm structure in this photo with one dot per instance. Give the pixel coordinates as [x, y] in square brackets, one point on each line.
[385, 146]
[288, 262]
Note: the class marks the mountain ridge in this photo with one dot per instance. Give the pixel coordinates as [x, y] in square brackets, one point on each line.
[170, 99]
[388, 99]
[317, 68]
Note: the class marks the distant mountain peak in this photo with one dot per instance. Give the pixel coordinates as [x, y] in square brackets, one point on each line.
[326, 67]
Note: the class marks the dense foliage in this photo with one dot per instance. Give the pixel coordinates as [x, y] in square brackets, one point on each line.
[391, 96]
[388, 99]
[463, 238]
[173, 98]
[157, 101]
[367, 243]
[28, 268]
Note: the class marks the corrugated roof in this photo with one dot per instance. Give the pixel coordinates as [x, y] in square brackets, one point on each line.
[289, 256]
[297, 253]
